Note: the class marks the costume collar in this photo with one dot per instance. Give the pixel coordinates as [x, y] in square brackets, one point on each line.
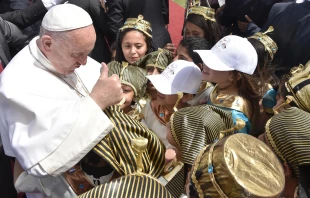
[229, 101]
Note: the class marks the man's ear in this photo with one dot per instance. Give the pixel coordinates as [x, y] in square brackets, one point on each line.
[288, 171]
[187, 97]
[46, 43]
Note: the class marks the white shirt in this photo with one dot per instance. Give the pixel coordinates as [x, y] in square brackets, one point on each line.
[151, 121]
[51, 3]
[43, 121]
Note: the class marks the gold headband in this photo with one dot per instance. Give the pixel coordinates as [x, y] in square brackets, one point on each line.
[207, 13]
[269, 44]
[138, 24]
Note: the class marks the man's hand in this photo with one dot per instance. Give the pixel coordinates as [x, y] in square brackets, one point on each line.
[108, 90]
[243, 25]
[102, 2]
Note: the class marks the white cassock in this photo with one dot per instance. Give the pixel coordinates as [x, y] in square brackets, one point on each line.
[45, 123]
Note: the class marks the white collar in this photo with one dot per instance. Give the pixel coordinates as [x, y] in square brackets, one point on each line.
[40, 57]
[301, 1]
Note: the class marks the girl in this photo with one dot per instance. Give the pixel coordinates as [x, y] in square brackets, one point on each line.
[134, 40]
[200, 22]
[156, 63]
[230, 64]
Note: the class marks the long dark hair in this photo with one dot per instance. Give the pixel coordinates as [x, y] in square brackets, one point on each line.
[264, 72]
[212, 32]
[119, 57]
[249, 90]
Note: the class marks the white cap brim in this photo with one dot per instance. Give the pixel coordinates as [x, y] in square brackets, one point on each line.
[212, 61]
[162, 84]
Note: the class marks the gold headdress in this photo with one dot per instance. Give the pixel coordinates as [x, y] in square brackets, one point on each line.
[289, 136]
[133, 76]
[159, 59]
[115, 148]
[269, 44]
[237, 166]
[133, 185]
[139, 24]
[298, 86]
[193, 128]
[208, 13]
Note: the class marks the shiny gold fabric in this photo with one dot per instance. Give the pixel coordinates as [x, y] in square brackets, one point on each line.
[161, 112]
[195, 127]
[133, 76]
[159, 59]
[229, 101]
[115, 148]
[139, 24]
[130, 186]
[289, 135]
[243, 166]
[207, 13]
[270, 46]
[299, 86]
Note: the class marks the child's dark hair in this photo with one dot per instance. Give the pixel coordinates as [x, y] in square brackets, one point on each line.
[119, 38]
[113, 46]
[195, 43]
[249, 89]
[212, 32]
[265, 69]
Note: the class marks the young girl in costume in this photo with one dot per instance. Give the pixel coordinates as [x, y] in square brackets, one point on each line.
[134, 40]
[230, 64]
[156, 63]
[175, 87]
[134, 82]
[186, 52]
[200, 22]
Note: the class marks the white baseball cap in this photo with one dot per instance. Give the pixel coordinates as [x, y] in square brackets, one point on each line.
[179, 76]
[66, 17]
[231, 53]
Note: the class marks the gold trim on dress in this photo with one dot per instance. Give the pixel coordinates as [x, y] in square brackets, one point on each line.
[229, 101]
[270, 46]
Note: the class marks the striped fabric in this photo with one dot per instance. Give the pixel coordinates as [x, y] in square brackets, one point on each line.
[159, 59]
[133, 76]
[116, 148]
[131, 186]
[195, 127]
[176, 185]
[298, 86]
[289, 135]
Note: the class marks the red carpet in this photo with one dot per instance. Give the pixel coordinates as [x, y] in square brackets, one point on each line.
[176, 17]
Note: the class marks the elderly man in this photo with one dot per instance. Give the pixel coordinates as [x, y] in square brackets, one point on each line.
[51, 106]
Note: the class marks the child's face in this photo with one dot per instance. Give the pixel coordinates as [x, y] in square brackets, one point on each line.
[150, 87]
[182, 54]
[129, 94]
[166, 100]
[219, 77]
[134, 46]
[193, 30]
